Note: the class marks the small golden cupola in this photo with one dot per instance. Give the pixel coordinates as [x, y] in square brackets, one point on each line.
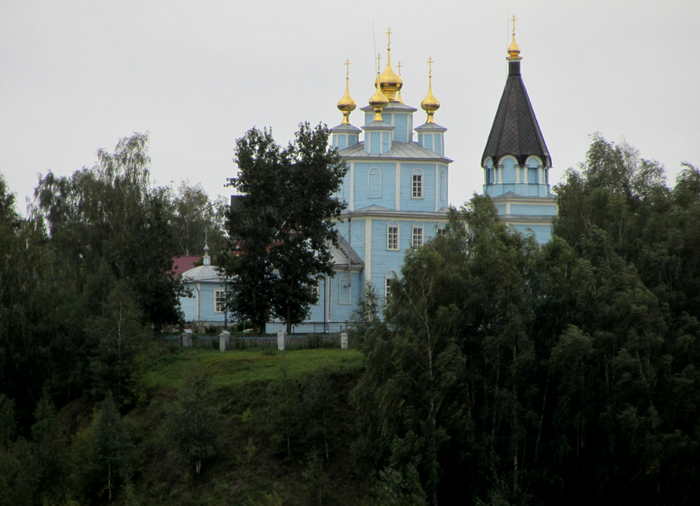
[430, 104]
[389, 81]
[378, 101]
[398, 97]
[346, 104]
[513, 49]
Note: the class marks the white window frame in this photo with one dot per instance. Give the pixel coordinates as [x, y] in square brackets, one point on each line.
[388, 277]
[218, 294]
[392, 243]
[417, 184]
[344, 278]
[417, 235]
[443, 185]
[440, 229]
[374, 171]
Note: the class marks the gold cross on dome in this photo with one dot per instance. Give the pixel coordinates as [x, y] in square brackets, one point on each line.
[379, 59]
[430, 67]
[347, 68]
[514, 20]
[388, 33]
[398, 65]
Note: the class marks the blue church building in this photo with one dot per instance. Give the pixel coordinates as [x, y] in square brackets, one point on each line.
[397, 183]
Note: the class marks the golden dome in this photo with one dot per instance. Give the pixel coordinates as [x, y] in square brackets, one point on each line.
[430, 104]
[378, 102]
[398, 97]
[347, 104]
[390, 81]
[513, 49]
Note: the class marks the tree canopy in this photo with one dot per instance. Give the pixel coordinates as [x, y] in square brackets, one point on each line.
[505, 372]
[281, 226]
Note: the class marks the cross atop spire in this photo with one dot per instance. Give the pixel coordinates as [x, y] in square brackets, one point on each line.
[347, 69]
[388, 44]
[379, 59]
[513, 20]
[430, 66]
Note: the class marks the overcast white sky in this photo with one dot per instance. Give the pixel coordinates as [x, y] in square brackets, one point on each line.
[76, 76]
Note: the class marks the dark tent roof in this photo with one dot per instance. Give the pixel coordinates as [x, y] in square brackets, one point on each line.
[515, 130]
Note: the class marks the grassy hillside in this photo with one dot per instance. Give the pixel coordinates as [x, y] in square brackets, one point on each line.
[240, 366]
[259, 395]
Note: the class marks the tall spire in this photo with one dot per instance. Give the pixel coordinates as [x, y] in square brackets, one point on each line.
[430, 104]
[515, 130]
[347, 104]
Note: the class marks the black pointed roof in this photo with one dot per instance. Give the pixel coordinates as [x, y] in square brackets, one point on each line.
[515, 130]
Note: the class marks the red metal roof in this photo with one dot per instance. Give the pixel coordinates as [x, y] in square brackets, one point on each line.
[184, 264]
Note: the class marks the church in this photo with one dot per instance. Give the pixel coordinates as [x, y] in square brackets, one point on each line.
[397, 183]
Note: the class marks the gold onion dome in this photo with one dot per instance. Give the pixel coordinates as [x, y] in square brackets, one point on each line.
[346, 104]
[430, 104]
[389, 81]
[378, 102]
[513, 49]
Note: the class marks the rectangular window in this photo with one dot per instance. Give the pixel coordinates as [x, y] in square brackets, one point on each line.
[417, 186]
[392, 237]
[219, 301]
[417, 237]
[532, 175]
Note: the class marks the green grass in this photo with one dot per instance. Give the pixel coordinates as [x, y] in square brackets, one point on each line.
[239, 366]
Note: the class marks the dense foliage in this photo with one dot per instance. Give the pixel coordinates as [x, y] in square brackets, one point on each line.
[282, 225]
[499, 371]
[508, 373]
[85, 278]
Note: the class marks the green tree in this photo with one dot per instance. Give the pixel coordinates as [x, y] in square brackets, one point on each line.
[281, 227]
[47, 434]
[319, 412]
[196, 214]
[109, 214]
[119, 336]
[193, 423]
[8, 422]
[284, 413]
[101, 454]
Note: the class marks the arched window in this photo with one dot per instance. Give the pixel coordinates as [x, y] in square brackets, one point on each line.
[417, 235]
[344, 288]
[390, 276]
[440, 229]
[417, 184]
[374, 183]
[392, 236]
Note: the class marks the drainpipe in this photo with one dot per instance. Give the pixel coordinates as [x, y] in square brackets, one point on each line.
[350, 258]
[325, 299]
